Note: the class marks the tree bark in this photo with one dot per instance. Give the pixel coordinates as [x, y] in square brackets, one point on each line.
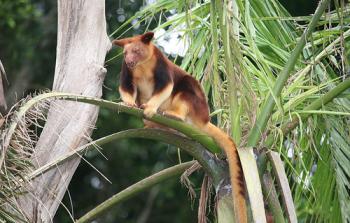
[82, 44]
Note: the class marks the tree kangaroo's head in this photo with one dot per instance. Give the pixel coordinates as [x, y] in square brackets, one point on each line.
[137, 49]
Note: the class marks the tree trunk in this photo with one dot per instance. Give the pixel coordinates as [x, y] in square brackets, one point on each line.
[82, 44]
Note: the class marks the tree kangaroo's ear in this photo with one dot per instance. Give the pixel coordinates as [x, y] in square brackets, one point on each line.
[120, 42]
[147, 37]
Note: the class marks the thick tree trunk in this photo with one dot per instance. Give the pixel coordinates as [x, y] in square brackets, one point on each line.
[82, 44]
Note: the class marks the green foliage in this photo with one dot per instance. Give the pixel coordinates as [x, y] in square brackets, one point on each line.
[316, 153]
[27, 45]
[264, 46]
[13, 13]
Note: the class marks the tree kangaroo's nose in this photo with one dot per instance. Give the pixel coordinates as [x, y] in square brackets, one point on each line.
[131, 64]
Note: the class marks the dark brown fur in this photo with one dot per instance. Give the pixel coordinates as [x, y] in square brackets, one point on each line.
[126, 81]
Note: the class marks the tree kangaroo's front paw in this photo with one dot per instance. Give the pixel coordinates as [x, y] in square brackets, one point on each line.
[149, 111]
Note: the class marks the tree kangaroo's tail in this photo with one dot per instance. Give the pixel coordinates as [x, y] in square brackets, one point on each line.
[236, 172]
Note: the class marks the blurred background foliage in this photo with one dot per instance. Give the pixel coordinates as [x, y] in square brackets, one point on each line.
[27, 49]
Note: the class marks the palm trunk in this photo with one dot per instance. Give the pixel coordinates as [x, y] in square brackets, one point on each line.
[82, 44]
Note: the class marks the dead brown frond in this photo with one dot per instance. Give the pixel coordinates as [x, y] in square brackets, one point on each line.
[18, 137]
[186, 181]
[204, 199]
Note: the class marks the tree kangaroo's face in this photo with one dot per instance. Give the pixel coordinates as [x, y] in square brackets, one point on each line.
[136, 53]
[137, 49]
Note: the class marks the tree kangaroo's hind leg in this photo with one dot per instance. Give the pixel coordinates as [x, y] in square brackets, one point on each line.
[177, 109]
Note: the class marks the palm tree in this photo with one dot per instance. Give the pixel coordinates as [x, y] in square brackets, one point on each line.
[249, 56]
